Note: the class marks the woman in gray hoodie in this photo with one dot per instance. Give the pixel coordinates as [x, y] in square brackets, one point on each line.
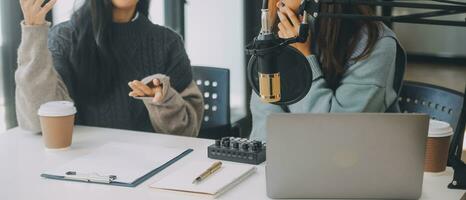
[352, 62]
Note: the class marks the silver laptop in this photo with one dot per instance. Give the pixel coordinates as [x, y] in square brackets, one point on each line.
[346, 155]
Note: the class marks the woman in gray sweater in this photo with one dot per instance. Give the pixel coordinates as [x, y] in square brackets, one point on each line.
[352, 63]
[96, 59]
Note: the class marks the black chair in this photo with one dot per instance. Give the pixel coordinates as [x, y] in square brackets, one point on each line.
[440, 103]
[456, 151]
[400, 68]
[214, 84]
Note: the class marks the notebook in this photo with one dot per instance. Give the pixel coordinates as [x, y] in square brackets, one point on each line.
[216, 184]
[120, 164]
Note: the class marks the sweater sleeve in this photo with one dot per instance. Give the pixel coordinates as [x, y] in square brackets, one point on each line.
[181, 110]
[363, 87]
[177, 64]
[36, 80]
[177, 113]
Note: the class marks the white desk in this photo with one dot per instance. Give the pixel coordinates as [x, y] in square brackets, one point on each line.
[23, 158]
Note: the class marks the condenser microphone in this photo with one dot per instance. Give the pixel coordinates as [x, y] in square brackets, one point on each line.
[268, 73]
[277, 72]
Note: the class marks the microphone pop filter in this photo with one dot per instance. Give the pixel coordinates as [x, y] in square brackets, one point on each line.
[295, 75]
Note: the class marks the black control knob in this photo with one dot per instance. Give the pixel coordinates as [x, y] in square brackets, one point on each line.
[226, 142]
[245, 146]
[235, 145]
[254, 148]
[257, 145]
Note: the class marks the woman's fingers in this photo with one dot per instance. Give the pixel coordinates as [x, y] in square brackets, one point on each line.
[26, 6]
[156, 82]
[292, 16]
[281, 27]
[136, 94]
[144, 88]
[158, 94]
[33, 11]
[138, 86]
[47, 7]
[283, 32]
[280, 35]
[284, 20]
[289, 22]
[287, 33]
[141, 90]
[38, 3]
[23, 3]
[279, 4]
[135, 89]
[286, 27]
[26, 3]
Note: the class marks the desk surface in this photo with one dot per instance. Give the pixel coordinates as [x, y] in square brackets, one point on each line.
[23, 158]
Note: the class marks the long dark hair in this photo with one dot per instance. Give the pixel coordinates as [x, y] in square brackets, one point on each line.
[337, 39]
[93, 58]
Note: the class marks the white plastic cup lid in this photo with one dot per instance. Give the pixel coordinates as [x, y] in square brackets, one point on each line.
[439, 129]
[57, 109]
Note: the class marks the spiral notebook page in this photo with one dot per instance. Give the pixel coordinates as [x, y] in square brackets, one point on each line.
[126, 161]
[223, 179]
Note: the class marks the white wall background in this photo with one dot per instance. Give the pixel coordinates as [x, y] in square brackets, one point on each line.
[215, 37]
[63, 10]
[432, 40]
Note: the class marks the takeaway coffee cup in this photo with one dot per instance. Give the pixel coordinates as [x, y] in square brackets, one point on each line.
[438, 144]
[57, 123]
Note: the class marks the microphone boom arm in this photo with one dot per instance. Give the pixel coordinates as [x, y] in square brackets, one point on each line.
[442, 8]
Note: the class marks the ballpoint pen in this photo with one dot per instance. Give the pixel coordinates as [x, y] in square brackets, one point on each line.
[212, 169]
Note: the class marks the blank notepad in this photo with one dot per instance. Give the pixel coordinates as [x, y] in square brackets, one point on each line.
[225, 178]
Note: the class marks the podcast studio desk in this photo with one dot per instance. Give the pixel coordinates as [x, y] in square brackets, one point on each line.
[23, 158]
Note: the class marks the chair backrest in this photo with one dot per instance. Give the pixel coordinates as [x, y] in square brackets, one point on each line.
[214, 84]
[400, 68]
[456, 147]
[440, 103]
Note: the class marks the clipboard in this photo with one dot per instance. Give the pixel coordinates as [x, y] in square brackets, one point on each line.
[65, 172]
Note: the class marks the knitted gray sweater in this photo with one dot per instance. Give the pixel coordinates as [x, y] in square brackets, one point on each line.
[47, 73]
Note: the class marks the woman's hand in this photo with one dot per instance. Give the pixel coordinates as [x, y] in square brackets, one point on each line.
[142, 90]
[33, 11]
[291, 30]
